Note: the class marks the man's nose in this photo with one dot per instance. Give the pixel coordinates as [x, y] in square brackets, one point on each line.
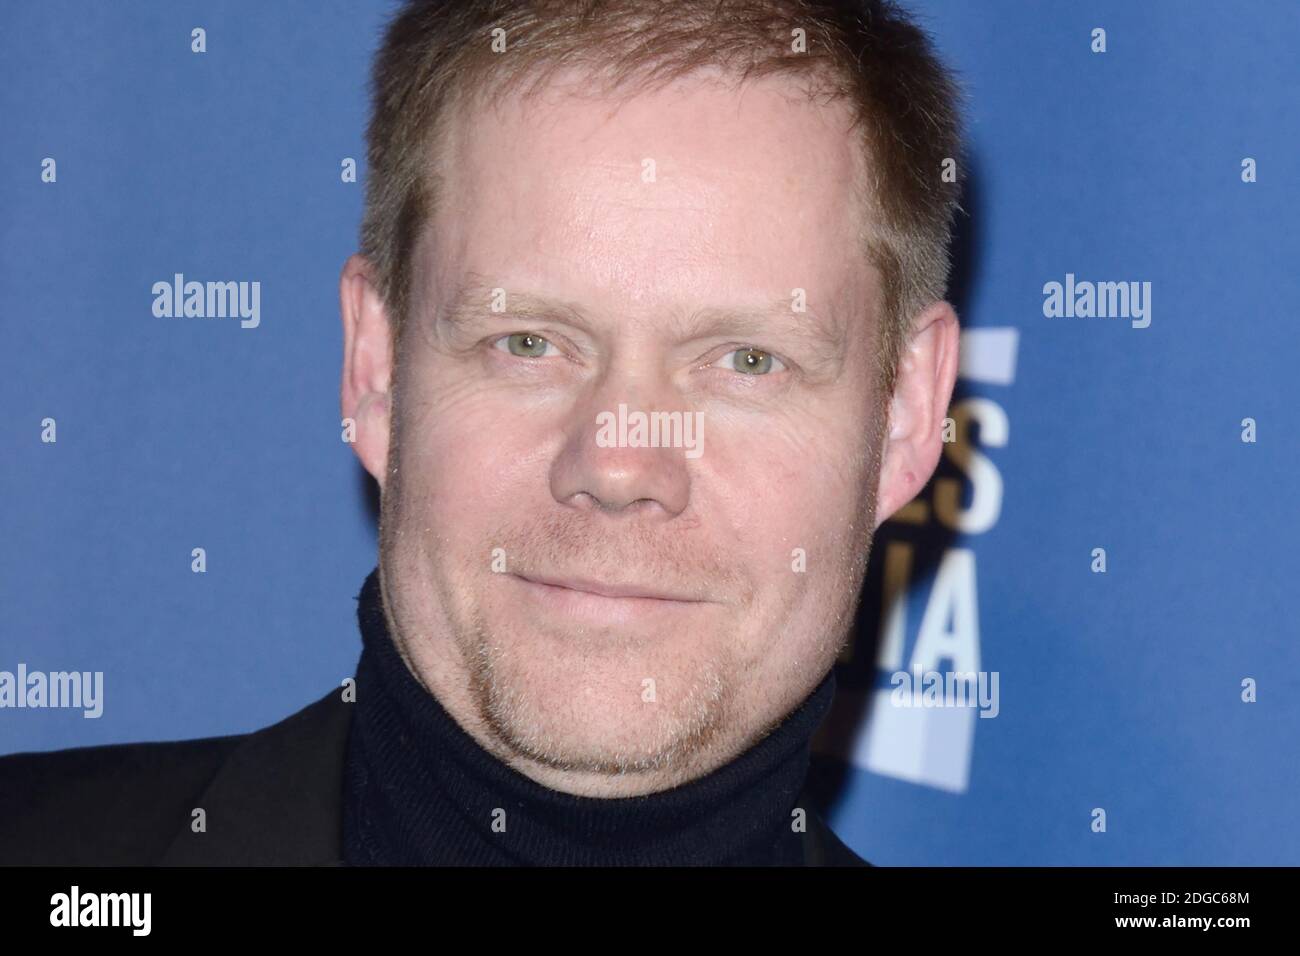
[623, 451]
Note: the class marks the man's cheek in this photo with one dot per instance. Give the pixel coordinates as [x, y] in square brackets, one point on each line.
[469, 492]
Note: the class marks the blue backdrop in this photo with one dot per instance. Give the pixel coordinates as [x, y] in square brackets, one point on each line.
[1146, 713]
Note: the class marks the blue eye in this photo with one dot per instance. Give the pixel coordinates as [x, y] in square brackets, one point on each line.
[524, 345]
[752, 361]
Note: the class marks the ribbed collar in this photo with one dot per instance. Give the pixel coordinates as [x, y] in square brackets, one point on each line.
[420, 791]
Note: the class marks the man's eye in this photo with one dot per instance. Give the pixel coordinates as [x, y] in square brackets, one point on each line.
[524, 344]
[752, 361]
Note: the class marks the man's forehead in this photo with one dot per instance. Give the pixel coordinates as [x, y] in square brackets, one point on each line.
[763, 135]
[622, 212]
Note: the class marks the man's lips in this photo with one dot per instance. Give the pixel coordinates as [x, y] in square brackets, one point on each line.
[610, 589]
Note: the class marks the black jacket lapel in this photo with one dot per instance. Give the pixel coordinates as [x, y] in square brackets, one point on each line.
[277, 799]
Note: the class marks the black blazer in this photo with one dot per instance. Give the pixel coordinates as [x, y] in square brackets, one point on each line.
[271, 798]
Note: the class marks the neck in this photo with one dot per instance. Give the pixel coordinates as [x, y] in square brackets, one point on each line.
[419, 790]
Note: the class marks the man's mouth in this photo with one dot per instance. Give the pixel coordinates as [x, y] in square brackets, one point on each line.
[604, 602]
[611, 589]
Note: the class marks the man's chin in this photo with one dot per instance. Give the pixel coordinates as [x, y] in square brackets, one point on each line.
[579, 716]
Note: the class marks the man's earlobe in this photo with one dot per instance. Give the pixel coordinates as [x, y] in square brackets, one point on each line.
[365, 393]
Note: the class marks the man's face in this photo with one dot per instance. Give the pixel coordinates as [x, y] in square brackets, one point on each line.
[648, 240]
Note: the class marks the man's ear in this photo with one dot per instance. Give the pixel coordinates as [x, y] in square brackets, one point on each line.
[367, 365]
[913, 441]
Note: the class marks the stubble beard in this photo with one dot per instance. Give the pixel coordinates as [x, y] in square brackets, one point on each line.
[698, 725]
[506, 709]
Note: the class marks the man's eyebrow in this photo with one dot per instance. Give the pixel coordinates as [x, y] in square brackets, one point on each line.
[823, 337]
[475, 297]
[818, 332]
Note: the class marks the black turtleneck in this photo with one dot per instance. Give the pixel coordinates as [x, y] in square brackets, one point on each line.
[420, 791]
